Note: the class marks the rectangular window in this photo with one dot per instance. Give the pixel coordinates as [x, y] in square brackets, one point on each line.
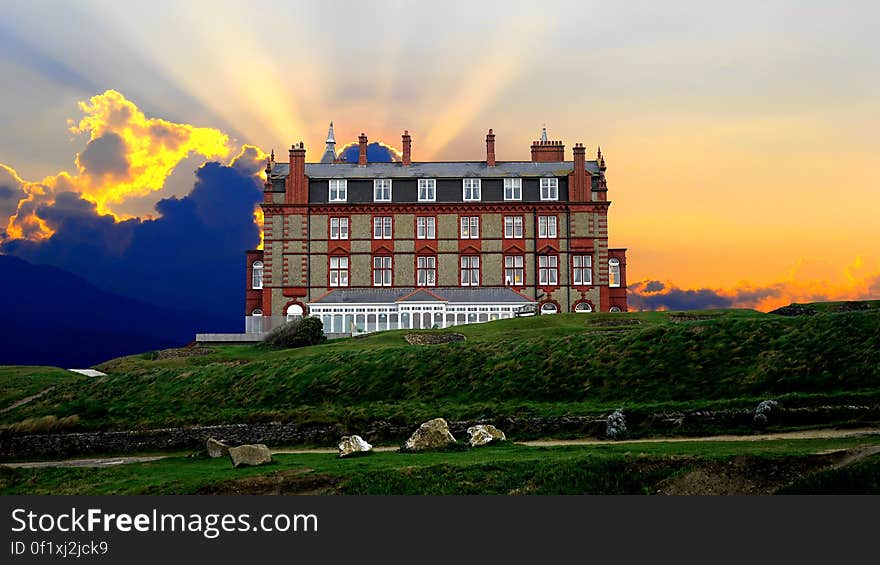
[382, 271]
[338, 228]
[550, 189]
[513, 270]
[426, 271]
[548, 270]
[382, 227]
[547, 226]
[338, 190]
[338, 271]
[426, 227]
[513, 189]
[257, 275]
[427, 190]
[470, 189]
[582, 270]
[470, 270]
[382, 190]
[470, 227]
[513, 227]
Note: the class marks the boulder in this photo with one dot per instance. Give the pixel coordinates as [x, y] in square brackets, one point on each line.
[354, 445]
[482, 434]
[250, 455]
[615, 424]
[433, 434]
[216, 448]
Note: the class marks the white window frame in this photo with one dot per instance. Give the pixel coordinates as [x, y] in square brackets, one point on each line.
[583, 307]
[547, 227]
[256, 312]
[381, 190]
[383, 270]
[614, 272]
[548, 270]
[383, 227]
[549, 308]
[470, 270]
[513, 227]
[471, 189]
[426, 270]
[549, 188]
[339, 265]
[427, 190]
[257, 279]
[426, 227]
[514, 265]
[338, 190]
[469, 227]
[513, 189]
[339, 228]
[582, 270]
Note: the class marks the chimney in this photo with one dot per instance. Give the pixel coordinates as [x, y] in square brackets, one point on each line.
[580, 193]
[407, 149]
[490, 149]
[297, 187]
[362, 150]
[544, 150]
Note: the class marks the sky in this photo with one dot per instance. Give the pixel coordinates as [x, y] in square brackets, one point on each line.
[741, 139]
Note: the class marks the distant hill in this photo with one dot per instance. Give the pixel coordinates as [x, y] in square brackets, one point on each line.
[51, 317]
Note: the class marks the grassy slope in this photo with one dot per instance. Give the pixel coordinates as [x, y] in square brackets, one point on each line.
[18, 382]
[546, 365]
[606, 469]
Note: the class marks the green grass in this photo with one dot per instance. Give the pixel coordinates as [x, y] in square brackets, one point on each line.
[508, 468]
[18, 382]
[862, 477]
[538, 366]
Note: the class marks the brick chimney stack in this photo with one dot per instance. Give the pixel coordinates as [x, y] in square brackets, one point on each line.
[362, 150]
[580, 192]
[407, 148]
[490, 149]
[297, 188]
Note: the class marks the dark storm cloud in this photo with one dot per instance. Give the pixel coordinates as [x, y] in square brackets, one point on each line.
[654, 286]
[376, 153]
[191, 257]
[104, 155]
[11, 192]
[655, 295]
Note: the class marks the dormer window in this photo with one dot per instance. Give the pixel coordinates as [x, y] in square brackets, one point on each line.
[513, 189]
[427, 190]
[549, 189]
[470, 190]
[382, 190]
[338, 190]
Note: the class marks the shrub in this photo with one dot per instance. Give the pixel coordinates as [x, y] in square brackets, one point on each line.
[298, 333]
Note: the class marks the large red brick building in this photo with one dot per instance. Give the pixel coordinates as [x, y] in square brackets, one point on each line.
[370, 246]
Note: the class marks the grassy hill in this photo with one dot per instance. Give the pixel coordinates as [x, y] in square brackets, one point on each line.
[567, 364]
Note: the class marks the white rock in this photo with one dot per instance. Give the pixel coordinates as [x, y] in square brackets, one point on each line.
[433, 434]
[351, 445]
[250, 455]
[482, 434]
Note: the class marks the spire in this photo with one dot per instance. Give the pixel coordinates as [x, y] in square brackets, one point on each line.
[329, 155]
[600, 159]
[330, 137]
[544, 134]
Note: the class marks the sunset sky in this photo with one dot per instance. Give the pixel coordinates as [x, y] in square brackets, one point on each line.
[742, 140]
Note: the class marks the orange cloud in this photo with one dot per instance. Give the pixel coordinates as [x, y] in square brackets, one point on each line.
[128, 155]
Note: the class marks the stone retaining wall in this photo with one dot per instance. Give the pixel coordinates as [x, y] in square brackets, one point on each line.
[25, 446]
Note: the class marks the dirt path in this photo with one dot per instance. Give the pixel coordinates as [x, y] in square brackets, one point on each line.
[803, 434]
[25, 400]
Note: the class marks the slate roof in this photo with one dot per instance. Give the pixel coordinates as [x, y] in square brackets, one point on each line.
[449, 169]
[456, 295]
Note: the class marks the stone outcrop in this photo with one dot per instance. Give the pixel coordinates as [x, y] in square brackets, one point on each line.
[432, 434]
[350, 446]
[250, 455]
[433, 339]
[483, 434]
[216, 448]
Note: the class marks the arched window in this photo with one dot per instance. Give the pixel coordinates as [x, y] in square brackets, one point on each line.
[257, 275]
[549, 308]
[294, 311]
[614, 309]
[583, 307]
[257, 312]
[613, 272]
